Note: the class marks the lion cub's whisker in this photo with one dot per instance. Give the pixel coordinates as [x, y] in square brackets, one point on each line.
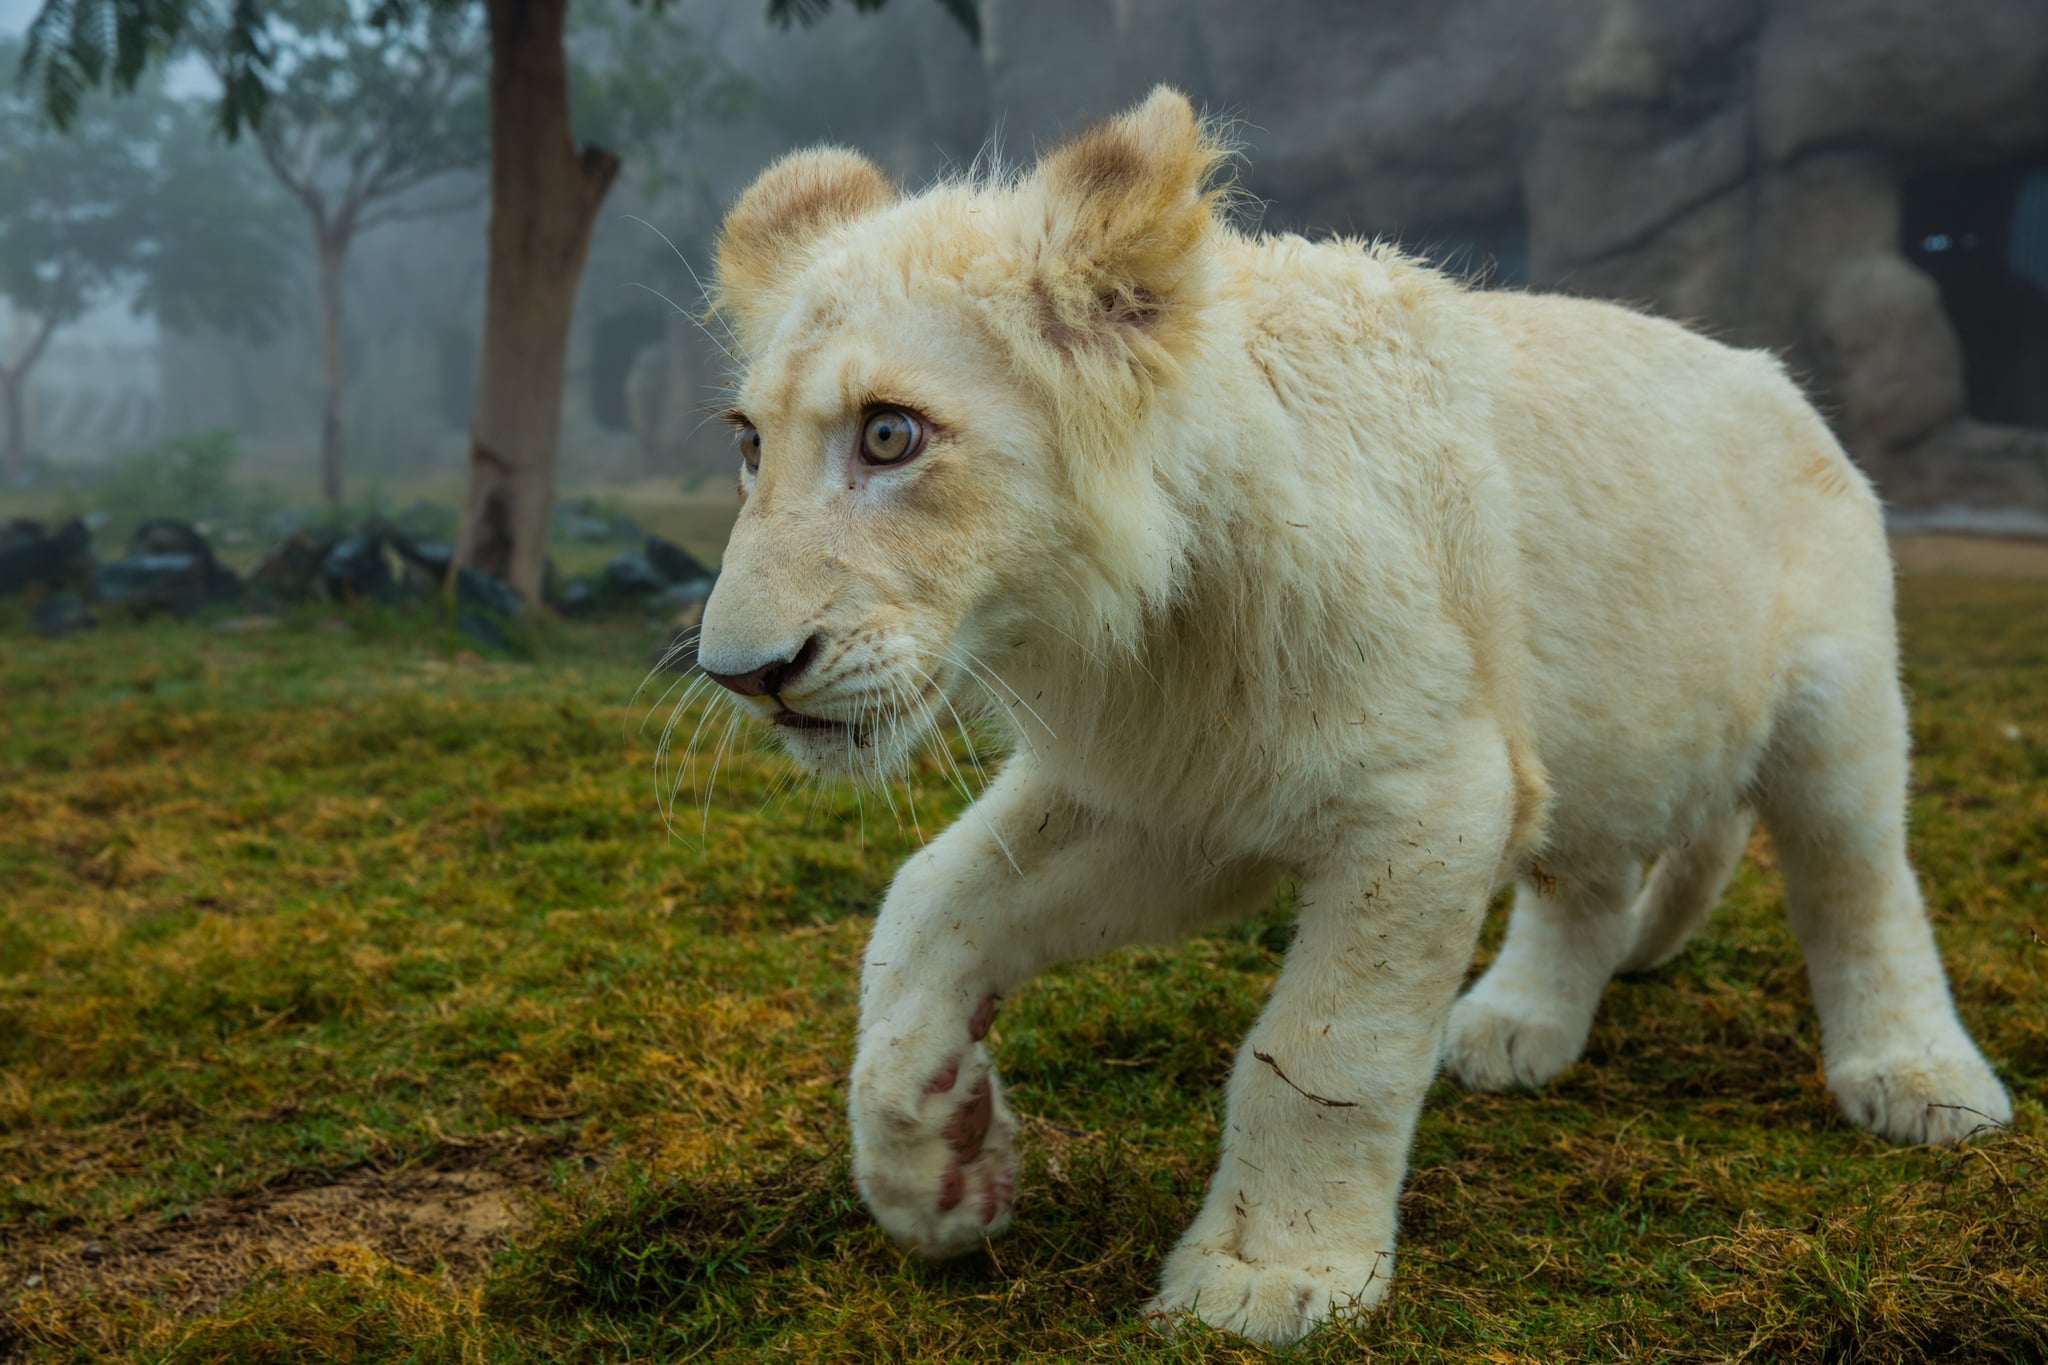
[1007, 686]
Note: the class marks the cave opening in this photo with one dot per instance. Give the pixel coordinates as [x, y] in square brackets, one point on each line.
[1981, 233]
[614, 346]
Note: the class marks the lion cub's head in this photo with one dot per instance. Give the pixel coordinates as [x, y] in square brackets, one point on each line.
[942, 421]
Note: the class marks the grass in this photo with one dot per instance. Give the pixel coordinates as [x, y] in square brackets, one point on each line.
[355, 1005]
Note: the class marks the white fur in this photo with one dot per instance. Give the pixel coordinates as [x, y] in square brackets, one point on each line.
[1312, 565]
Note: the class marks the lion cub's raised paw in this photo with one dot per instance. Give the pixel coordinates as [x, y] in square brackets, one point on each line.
[934, 1146]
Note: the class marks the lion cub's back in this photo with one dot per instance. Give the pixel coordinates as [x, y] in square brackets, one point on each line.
[1688, 527]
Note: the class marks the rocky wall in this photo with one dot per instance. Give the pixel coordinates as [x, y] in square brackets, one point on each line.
[1736, 163]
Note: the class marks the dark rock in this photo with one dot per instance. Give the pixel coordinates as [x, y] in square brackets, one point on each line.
[290, 572]
[578, 597]
[684, 597]
[1575, 198]
[1996, 477]
[630, 575]
[359, 569]
[19, 531]
[169, 567]
[151, 583]
[62, 613]
[487, 593]
[31, 554]
[1890, 350]
[426, 561]
[1752, 166]
[169, 536]
[178, 583]
[1963, 74]
[673, 562]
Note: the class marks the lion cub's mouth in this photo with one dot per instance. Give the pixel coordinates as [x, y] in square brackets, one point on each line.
[797, 720]
[818, 725]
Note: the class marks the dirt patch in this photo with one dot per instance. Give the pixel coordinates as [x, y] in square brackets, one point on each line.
[449, 1220]
[1981, 556]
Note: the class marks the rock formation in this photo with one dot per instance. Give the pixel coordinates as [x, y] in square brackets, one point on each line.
[1860, 185]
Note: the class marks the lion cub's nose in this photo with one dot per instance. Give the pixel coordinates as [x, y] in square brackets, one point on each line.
[769, 678]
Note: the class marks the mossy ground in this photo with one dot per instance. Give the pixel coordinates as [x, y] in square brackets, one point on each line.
[356, 1005]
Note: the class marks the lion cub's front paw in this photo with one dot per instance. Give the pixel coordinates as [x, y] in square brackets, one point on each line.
[1913, 1097]
[1270, 1302]
[934, 1147]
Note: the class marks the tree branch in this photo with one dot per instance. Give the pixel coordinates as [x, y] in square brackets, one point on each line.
[46, 326]
[416, 214]
[268, 140]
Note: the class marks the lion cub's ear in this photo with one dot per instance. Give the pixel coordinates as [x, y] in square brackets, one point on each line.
[1129, 205]
[789, 206]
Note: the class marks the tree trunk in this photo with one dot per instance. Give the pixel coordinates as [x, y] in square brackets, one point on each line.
[12, 396]
[333, 250]
[545, 193]
[14, 391]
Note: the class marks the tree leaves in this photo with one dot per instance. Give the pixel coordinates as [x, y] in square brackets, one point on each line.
[140, 197]
[635, 75]
[363, 115]
[74, 46]
[781, 13]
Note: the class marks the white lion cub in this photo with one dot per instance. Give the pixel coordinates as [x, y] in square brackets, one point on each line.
[1298, 561]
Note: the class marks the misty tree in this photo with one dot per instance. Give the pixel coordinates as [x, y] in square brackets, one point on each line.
[138, 200]
[546, 187]
[365, 123]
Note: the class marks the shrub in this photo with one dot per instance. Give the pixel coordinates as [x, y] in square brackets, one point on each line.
[180, 476]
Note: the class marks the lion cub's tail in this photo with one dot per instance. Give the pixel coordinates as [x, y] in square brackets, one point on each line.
[1683, 888]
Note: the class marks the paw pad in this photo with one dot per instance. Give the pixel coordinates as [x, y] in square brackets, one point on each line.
[984, 1015]
[965, 1131]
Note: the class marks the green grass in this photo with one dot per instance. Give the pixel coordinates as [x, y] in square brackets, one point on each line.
[356, 1005]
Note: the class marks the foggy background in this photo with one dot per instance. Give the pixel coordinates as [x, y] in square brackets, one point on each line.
[1861, 186]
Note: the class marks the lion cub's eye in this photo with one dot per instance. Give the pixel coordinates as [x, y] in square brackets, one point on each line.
[890, 436]
[750, 447]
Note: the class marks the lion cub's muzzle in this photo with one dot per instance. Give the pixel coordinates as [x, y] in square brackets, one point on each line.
[763, 679]
[770, 679]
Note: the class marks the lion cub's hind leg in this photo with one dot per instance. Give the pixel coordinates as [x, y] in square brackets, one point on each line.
[1683, 887]
[1898, 1060]
[1527, 1018]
